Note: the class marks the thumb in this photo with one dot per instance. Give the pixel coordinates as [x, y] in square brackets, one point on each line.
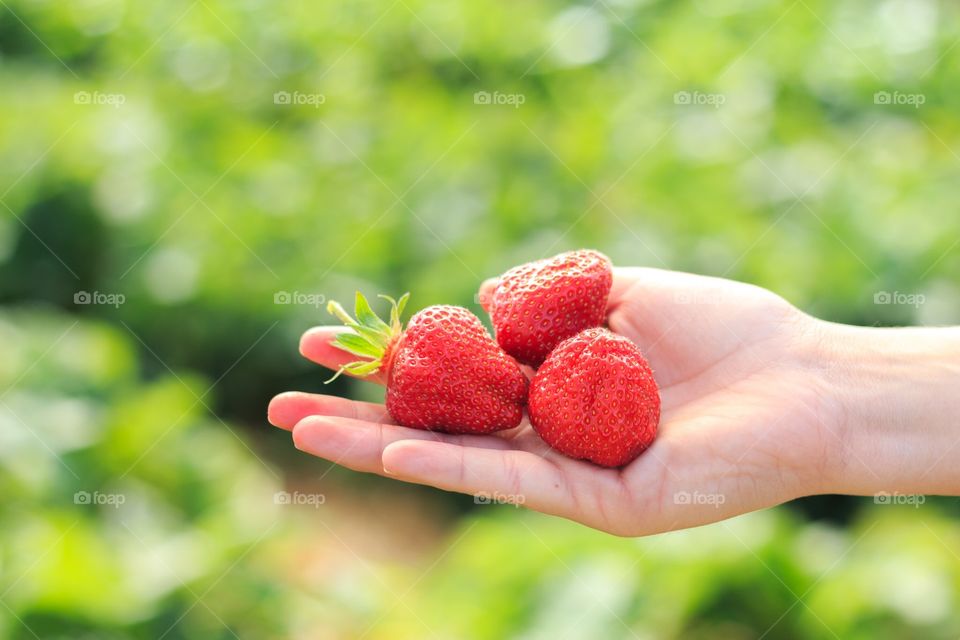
[485, 295]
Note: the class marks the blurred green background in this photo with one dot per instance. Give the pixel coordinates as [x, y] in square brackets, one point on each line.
[182, 183]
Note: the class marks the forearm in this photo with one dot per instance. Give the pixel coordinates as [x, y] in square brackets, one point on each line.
[896, 394]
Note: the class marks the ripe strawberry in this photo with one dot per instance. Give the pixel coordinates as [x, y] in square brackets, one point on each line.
[595, 399]
[444, 372]
[538, 305]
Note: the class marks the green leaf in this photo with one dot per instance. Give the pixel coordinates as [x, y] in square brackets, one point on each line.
[370, 337]
[394, 316]
[363, 368]
[402, 303]
[396, 310]
[379, 338]
[357, 345]
[367, 317]
[360, 368]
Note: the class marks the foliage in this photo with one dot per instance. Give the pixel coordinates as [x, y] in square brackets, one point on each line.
[131, 514]
[210, 173]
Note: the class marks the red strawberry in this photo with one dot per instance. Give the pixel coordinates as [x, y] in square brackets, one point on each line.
[538, 305]
[595, 399]
[444, 372]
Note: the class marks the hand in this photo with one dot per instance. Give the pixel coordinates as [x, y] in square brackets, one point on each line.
[747, 419]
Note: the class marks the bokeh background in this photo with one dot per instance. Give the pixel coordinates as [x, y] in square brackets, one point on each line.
[183, 183]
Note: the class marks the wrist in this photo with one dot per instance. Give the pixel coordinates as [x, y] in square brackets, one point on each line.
[896, 408]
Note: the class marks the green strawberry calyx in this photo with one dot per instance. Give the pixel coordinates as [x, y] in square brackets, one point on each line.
[371, 337]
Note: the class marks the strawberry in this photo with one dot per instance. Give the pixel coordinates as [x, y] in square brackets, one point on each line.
[443, 373]
[538, 305]
[595, 399]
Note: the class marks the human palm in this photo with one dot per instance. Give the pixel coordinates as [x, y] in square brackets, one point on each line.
[743, 420]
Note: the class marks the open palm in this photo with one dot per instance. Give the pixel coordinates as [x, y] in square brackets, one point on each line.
[745, 424]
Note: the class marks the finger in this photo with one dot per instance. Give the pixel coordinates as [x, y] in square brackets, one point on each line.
[485, 296]
[512, 476]
[315, 345]
[624, 279]
[287, 409]
[359, 444]
[660, 287]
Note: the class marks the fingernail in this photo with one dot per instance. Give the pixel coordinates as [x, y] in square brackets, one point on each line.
[297, 439]
[300, 435]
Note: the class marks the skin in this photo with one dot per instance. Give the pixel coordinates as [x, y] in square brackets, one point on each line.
[761, 404]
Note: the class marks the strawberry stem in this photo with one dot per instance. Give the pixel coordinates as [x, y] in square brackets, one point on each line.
[371, 337]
